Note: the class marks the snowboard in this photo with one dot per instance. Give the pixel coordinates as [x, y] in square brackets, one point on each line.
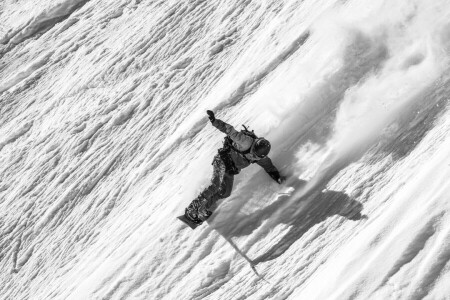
[188, 222]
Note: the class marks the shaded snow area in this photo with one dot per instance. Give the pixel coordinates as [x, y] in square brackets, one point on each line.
[104, 140]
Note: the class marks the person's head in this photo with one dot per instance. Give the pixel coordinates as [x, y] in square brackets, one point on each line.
[261, 147]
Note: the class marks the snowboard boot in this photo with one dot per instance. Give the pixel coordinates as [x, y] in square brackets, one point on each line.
[204, 214]
[197, 212]
[192, 215]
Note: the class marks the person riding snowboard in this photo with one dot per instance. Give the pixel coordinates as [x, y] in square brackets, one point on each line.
[240, 149]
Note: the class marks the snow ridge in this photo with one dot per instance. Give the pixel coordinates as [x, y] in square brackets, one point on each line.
[42, 22]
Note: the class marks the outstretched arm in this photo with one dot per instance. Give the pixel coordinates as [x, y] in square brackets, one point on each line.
[238, 137]
[267, 165]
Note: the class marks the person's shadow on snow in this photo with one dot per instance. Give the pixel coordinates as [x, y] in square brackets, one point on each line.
[316, 207]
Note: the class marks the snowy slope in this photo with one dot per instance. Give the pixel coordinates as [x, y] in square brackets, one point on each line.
[104, 141]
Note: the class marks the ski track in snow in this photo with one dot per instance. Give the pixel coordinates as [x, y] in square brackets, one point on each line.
[104, 141]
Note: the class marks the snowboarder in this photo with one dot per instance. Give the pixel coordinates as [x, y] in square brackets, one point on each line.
[240, 149]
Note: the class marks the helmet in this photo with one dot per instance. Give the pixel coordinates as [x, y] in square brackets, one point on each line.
[261, 147]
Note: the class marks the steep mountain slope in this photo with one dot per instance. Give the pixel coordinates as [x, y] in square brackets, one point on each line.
[104, 141]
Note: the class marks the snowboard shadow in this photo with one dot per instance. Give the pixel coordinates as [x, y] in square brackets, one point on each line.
[317, 207]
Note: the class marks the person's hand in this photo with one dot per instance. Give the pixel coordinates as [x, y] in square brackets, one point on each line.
[277, 177]
[281, 180]
[211, 116]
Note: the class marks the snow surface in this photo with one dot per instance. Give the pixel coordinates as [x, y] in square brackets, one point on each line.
[104, 140]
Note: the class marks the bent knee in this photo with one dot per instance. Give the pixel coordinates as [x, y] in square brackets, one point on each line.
[225, 194]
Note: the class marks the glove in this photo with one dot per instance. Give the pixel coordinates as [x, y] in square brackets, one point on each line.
[281, 180]
[211, 116]
[276, 176]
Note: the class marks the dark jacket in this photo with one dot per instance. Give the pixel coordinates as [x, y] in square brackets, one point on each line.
[243, 142]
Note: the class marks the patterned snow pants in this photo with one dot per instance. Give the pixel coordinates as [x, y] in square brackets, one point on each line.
[220, 187]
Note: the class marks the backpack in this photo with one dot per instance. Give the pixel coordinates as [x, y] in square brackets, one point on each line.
[228, 142]
[224, 152]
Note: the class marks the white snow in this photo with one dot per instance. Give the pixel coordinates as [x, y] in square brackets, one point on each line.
[104, 140]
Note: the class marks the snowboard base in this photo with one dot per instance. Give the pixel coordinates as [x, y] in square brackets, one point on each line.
[188, 222]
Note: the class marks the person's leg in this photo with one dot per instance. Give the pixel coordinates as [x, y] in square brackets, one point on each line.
[226, 186]
[221, 185]
[213, 191]
[198, 208]
[224, 191]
